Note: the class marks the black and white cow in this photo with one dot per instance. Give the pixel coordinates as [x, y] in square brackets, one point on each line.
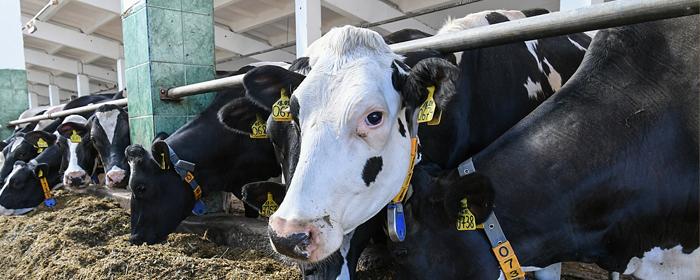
[22, 190]
[105, 136]
[605, 171]
[24, 147]
[224, 160]
[351, 115]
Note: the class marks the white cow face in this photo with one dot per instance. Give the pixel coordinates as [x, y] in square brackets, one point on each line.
[355, 139]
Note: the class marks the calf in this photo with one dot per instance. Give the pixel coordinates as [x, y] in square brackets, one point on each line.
[359, 103]
[605, 171]
[23, 189]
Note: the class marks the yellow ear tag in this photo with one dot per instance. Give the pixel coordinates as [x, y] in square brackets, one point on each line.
[75, 138]
[269, 207]
[427, 109]
[436, 119]
[40, 174]
[258, 129]
[162, 161]
[465, 218]
[41, 145]
[280, 110]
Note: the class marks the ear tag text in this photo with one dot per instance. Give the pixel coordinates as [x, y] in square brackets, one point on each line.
[465, 218]
[269, 207]
[427, 109]
[41, 145]
[258, 129]
[75, 138]
[508, 261]
[280, 110]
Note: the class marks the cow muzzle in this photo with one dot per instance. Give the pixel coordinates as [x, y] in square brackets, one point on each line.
[115, 177]
[76, 179]
[295, 239]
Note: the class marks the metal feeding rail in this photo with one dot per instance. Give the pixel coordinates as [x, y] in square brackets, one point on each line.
[605, 15]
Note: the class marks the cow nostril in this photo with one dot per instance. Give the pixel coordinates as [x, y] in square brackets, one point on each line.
[295, 245]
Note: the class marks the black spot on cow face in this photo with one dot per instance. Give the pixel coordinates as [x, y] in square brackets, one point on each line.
[371, 169]
[402, 130]
[160, 200]
[23, 188]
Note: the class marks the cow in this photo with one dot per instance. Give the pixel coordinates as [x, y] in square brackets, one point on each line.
[605, 172]
[105, 136]
[23, 189]
[346, 109]
[81, 152]
[161, 198]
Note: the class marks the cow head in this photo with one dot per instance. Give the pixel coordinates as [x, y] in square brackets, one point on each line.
[110, 136]
[25, 147]
[433, 212]
[22, 188]
[160, 200]
[355, 113]
[225, 159]
[81, 153]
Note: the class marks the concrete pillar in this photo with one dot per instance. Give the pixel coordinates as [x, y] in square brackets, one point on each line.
[308, 23]
[33, 100]
[83, 85]
[13, 76]
[565, 5]
[166, 44]
[54, 95]
[121, 82]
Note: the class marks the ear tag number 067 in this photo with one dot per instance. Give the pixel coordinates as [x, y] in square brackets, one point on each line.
[258, 129]
[280, 110]
[427, 109]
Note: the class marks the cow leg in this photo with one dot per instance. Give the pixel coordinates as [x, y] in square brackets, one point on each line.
[614, 276]
[551, 272]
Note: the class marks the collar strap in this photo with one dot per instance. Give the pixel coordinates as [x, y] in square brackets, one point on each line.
[185, 169]
[409, 174]
[49, 200]
[507, 260]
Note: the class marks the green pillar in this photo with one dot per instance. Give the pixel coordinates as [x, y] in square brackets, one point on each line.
[13, 78]
[167, 43]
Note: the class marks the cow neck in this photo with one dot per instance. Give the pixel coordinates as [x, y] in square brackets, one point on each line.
[185, 170]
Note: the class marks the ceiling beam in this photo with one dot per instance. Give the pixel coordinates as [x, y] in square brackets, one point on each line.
[67, 65]
[89, 29]
[373, 11]
[51, 11]
[75, 39]
[112, 6]
[240, 44]
[268, 16]
[44, 78]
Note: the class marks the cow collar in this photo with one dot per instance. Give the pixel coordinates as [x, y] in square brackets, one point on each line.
[185, 169]
[507, 260]
[49, 200]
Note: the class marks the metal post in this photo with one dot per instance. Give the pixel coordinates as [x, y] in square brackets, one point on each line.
[121, 80]
[308, 23]
[83, 85]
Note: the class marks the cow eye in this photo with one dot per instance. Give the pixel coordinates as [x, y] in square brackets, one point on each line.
[374, 118]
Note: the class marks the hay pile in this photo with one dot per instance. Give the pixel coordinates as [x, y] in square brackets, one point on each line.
[87, 238]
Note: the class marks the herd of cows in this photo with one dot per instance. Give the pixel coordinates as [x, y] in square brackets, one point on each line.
[482, 164]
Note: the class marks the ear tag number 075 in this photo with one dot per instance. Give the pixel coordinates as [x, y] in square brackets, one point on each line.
[427, 109]
[269, 207]
[280, 110]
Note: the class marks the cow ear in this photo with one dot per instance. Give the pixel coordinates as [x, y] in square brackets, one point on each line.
[242, 116]
[135, 154]
[161, 154]
[258, 193]
[39, 138]
[160, 136]
[69, 130]
[264, 84]
[473, 190]
[41, 170]
[434, 74]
